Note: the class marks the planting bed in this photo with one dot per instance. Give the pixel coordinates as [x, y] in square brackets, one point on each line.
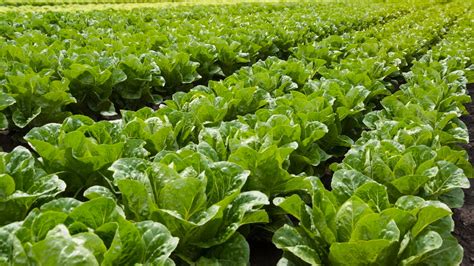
[253, 133]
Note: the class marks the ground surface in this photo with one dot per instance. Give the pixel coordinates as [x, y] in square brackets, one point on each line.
[464, 217]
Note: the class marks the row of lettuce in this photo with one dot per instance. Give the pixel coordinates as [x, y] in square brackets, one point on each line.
[94, 4]
[391, 195]
[83, 2]
[57, 63]
[211, 161]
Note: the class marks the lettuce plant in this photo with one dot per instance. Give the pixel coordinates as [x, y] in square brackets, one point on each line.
[416, 170]
[81, 149]
[67, 231]
[198, 200]
[366, 229]
[23, 183]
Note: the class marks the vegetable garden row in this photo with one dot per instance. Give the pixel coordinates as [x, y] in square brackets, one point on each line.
[69, 3]
[100, 62]
[331, 130]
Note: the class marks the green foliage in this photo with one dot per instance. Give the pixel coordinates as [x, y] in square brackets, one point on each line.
[23, 183]
[67, 231]
[99, 62]
[198, 200]
[361, 231]
[189, 183]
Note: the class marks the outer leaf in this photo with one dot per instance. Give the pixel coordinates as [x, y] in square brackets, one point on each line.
[65, 205]
[348, 215]
[5, 101]
[345, 182]
[375, 226]
[375, 195]
[11, 249]
[59, 248]
[372, 252]
[96, 212]
[428, 215]
[7, 186]
[30, 184]
[158, 242]
[97, 192]
[247, 203]
[234, 251]
[450, 253]
[3, 122]
[421, 245]
[93, 243]
[295, 241]
[450, 177]
[293, 205]
[410, 184]
[45, 222]
[138, 203]
[127, 246]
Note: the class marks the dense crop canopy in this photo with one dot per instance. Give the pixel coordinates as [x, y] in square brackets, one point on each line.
[331, 130]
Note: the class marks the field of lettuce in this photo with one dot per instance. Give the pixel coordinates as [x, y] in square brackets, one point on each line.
[251, 133]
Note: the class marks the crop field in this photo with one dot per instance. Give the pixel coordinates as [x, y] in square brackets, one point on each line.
[263, 133]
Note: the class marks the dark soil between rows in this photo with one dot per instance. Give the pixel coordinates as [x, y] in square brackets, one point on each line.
[264, 253]
[464, 217]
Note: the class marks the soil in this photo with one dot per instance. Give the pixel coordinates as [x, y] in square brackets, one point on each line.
[8, 141]
[264, 253]
[464, 217]
[464, 229]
